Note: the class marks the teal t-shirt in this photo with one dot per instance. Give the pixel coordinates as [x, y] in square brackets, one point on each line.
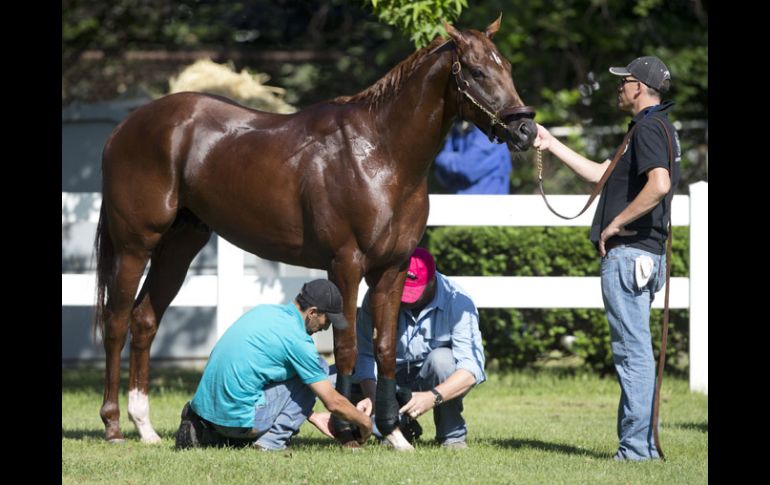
[268, 344]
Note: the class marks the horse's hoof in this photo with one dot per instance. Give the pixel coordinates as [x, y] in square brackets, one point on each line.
[153, 439]
[114, 436]
[396, 438]
[345, 436]
[352, 445]
[117, 441]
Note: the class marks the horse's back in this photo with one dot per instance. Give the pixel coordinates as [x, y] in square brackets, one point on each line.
[153, 144]
[166, 117]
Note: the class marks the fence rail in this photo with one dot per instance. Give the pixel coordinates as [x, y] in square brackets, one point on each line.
[230, 290]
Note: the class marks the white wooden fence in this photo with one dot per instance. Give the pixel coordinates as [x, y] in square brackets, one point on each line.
[230, 290]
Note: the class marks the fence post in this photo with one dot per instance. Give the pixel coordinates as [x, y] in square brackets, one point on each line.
[229, 279]
[699, 287]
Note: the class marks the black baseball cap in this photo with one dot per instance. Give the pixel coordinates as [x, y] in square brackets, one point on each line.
[324, 295]
[648, 69]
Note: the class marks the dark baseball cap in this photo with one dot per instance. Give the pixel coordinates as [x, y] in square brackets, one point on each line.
[648, 69]
[324, 295]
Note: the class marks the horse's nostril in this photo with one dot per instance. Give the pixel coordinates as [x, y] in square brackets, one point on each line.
[525, 129]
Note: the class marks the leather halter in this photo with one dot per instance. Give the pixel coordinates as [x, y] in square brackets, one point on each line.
[499, 120]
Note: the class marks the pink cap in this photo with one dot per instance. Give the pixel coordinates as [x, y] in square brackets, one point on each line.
[422, 267]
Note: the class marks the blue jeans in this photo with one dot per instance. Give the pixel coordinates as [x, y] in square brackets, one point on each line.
[448, 418]
[628, 312]
[287, 405]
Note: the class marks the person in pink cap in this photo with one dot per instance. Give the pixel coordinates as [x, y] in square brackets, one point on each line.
[439, 353]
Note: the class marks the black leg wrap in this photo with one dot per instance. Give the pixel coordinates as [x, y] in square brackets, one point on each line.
[386, 406]
[403, 395]
[344, 384]
[410, 428]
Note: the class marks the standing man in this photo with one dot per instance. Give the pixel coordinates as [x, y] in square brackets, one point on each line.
[264, 373]
[629, 229]
[439, 354]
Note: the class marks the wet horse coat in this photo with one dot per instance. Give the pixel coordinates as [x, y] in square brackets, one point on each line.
[340, 186]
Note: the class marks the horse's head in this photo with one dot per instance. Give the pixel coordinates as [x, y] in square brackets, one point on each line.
[485, 86]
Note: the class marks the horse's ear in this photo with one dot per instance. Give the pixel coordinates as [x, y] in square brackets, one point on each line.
[455, 35]
[494, 27]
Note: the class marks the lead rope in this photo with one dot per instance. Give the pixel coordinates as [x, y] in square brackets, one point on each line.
[597, 187]
[664, 336]
[540, 165]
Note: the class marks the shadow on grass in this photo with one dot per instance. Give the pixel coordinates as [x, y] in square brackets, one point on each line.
[98, 434]
[316, 442]
[545, 446]
[313, 443]
[703, 426]
[82, 434]
[91, 379]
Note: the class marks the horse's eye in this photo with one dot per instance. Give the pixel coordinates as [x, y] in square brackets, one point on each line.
[477, 74]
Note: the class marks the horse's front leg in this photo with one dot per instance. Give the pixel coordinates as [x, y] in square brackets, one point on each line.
[347, 276]
[385, 300]
[345, 358]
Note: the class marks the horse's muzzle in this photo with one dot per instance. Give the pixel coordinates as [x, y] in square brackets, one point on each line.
[521, 127]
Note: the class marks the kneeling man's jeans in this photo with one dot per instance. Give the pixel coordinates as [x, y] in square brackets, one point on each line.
[436, 368]
[287, 405]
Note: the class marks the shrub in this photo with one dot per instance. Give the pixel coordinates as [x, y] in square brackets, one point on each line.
[517, 338]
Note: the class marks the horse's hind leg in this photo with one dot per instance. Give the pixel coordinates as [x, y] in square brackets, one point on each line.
[130, 260]
[168, 267]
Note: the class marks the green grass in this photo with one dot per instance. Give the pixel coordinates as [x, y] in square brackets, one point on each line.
[523, 428]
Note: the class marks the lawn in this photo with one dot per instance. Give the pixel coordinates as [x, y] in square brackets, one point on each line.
[524, 427]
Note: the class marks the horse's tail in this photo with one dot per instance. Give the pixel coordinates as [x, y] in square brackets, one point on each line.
[105, 265]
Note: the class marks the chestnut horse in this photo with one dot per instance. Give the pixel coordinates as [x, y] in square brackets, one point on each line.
[340, 186]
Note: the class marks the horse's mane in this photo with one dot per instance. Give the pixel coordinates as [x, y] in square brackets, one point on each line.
[392, 81]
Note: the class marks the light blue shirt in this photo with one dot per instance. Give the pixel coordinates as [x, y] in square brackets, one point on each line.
[268, 344]
[449, 320]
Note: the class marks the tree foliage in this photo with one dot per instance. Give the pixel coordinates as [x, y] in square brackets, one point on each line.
[560, 49]
[517, 338]
[421, 20]
[339, 46]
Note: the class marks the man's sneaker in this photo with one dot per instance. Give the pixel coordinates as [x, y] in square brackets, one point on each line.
[455, 445]
[190, 429]
[258, 447]
[195, 431]
[255, 445]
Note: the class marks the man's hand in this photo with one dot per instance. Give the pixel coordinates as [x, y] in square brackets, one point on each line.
[365, 406]
[323, 421]
[543, 138]
[364, 431]
[420, 403]
[612, 230]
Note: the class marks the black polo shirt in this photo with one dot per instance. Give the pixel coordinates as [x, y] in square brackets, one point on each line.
[647, 149]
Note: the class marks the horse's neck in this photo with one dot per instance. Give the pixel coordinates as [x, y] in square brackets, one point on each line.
[419, 116]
